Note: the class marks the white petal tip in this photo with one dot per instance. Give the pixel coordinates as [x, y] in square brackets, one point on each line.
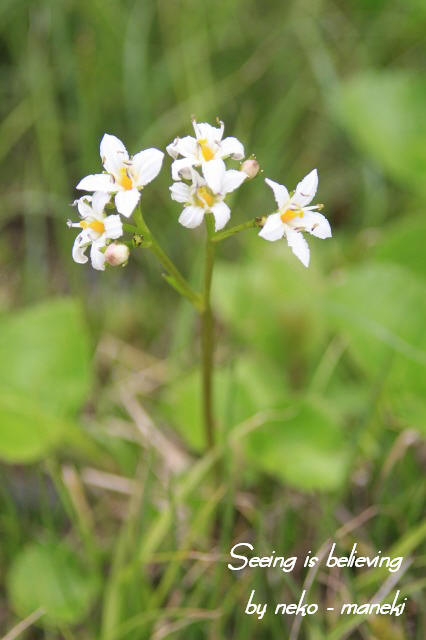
[266, 236]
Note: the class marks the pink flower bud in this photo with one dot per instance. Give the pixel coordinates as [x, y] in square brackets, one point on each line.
[250, 167]
[117, 254]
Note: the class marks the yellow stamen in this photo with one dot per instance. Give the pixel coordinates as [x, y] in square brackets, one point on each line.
[289, 215]
[205, 195]
[125, 181]
[95, 225]
[208, 154]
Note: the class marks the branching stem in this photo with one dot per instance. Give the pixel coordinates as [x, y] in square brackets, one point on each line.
[174, 276]
[251, 224]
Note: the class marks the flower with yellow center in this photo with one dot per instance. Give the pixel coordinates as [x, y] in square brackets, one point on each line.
[293, 216]
[200, 199]
[96, 229]
[207, 150]
[125, 176]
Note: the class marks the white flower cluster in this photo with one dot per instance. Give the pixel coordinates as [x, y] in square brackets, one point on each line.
[206, 191]
[201, 183]
[124, 178]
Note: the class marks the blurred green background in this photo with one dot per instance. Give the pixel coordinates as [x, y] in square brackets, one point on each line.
[113, 523]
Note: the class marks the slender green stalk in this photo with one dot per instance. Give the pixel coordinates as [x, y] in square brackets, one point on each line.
[174, 276]
[207, 337]
[202, 304]
[130, 228]
[251, 224]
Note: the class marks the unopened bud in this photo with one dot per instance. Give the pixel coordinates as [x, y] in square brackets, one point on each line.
[117, 254]
[250, 167]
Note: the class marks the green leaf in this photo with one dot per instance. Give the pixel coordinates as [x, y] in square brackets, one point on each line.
[45, 355]
[50, 576]
[380, 310]
[384, 114]
[272, 304]
[403, 243]
[249, 386]
[26, 431]
[306, 450]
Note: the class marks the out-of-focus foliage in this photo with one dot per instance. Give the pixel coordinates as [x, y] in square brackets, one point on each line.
[44, 376]
[113, 522]
[380, 310]
[383, 111]
[65, 589]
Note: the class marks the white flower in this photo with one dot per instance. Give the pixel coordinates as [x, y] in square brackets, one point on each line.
[97, 229]
[199, 198]
[207, 150]
[126, 176]
[293, 216]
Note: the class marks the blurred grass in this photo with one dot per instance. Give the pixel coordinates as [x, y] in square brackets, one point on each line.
[136, 507]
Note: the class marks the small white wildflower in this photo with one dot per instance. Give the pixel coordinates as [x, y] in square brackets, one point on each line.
[293, 216]
[97, 229]
[207, 150]
[126, 176]
[199, 198]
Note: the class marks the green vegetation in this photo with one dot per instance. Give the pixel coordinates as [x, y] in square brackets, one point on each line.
[115, 524]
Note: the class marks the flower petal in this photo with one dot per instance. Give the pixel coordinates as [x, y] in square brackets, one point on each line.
[197, 180]
[214, 172]
[172, 149]
[316, 224]
[126, 201]
[186, 146]
[298, 245]
[180, 192]
[182, 168]
[99, 201]
[113, 227]
[306, 189]
[231, 147]
[232, 180]
[221, 213]
[205, 131]
[84, 206]
[80, 245]
[113, 153]
[146, 166]
[97, 182]
[96, 256]
[281, 194]
[273, 229]
[191, 217]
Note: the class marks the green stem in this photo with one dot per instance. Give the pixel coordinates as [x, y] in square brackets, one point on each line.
[207, 337]
[130, 228]
[174, 276]
[251, 224]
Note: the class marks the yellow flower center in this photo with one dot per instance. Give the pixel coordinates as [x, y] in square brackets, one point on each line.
[124, 180]
[205, 195]
[208, 154]
[95, 225]
[289, 215]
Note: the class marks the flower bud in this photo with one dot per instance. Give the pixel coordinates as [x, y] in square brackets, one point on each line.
[117, 254]
[250, 167]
